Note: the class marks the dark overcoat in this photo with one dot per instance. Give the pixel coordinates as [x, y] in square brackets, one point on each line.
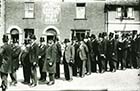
[50, 57]
[6, 52]
[15, 57]
[42, 54]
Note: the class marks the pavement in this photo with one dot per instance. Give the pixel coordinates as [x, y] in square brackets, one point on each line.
[121, 80]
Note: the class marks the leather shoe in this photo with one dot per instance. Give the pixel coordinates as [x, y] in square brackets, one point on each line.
[50, 83]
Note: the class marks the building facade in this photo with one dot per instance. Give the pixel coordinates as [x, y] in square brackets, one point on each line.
[122, 15]
[65, 18]
[50, 18]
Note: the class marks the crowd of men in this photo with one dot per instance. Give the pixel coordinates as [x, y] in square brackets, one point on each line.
[90, 54]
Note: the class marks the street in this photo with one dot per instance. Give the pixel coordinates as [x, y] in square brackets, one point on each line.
[126, 80]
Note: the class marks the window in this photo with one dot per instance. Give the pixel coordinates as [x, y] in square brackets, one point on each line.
[125, 13]
[80, 11]
[119, 12]
[29, 9]
[130, 12]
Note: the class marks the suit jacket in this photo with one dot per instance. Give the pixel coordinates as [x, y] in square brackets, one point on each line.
[69, 53]
[83, 53]
[50, 57]
[33, 53]
[41, 53]
[6, 52]
[15, 57]
[95, 47]
[59, 52]
[138, 47]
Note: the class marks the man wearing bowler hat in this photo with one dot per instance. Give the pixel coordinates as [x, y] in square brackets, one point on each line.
[5, 67]
[41, 57]
[33, 58]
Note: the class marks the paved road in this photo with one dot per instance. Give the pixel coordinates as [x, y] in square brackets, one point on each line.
[127, 80]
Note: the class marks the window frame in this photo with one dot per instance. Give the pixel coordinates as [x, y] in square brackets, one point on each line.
[27, 10]
[80, 5]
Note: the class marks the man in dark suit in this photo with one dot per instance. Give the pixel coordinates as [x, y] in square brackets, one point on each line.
[101, 57]
[15, 62]
[33, 58]
[112, 52]
[58, 58]
[88, 42]
[133, 46]
[50, 61]
[24, 58]
[94, 53]
[138, 50]
[105, 40]
[5, 68]
[41, 57]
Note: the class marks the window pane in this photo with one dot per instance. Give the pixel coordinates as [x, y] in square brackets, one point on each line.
[130, 12]
[80, 12]
[119, 12]
[29, 10]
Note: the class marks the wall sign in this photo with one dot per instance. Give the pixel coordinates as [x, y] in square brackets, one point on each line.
[51, 12]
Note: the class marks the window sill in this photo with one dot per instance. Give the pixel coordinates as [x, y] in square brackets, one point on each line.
[80, 19]
[126, 18]
[28, 18]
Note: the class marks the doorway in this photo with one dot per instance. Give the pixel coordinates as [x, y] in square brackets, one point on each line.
[51, 33]
[14, 35]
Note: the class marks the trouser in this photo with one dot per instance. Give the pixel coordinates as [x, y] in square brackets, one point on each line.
[138, 61]
[129, 60]
[106, 63]
[57, 74]
[88, 64]
[74, 69]
[93, 64]
[101, 63]
[33, 74]
[122, 59]
[112, 64]
[83, 68]
[42, 74]
[13, 76]
[134, 59]
[26, 73]
[51, 76]
[4, 77]
[67, 71]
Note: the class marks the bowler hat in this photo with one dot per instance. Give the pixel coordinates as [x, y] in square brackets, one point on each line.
[93, 36]
[111, 34]
[100, 35]
[104, 34]
[33, 37]
[42, 39]
[5, 38]
[134, 32]
[66, 40]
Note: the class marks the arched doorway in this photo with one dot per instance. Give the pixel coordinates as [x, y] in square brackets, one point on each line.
[14, 35]
[50, 32]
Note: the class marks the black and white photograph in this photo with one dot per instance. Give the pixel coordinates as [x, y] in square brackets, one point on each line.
[70, 45]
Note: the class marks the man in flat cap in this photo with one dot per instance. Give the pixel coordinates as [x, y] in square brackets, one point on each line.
[41, 58]
[5, 68]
